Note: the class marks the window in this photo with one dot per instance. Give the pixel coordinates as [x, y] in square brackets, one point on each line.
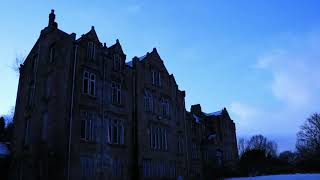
[165, 107]
[219, 157]
[89, 127]
[172, 169]
[83, 129]
[51, 54]
[153, 77]
[87, 166]
[180, 144]
[85, 82]
[92, 84]
[158, 138]
[116, 62]
[148, 101]
[114, 131]
[87, 130]
[147, 169]
[116, 93]
[117, 167]
[91, 51]
[156, 78]
[89, 83]
[195, 151]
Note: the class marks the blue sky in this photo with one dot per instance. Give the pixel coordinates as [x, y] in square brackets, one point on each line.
[259, 59]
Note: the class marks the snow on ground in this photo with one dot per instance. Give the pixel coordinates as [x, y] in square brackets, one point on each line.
[282, 177]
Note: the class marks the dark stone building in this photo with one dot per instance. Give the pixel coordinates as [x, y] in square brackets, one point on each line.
[82, 112]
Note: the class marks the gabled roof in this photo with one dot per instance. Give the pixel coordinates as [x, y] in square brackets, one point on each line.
[116, 47]
[92, 35]
[149, 55]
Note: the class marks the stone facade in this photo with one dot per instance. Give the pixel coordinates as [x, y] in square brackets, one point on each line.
[82, 112]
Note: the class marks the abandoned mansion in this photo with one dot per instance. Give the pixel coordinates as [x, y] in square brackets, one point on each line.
[84, 112]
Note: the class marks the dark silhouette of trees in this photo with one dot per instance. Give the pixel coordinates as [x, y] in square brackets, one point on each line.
[257, 142]
[308, 138]
[6, 129]
[308, 144]
[288, 157]
[256, 155]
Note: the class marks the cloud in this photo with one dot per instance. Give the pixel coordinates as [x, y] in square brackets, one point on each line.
[294, 84]
[243, 111]
[294, 71]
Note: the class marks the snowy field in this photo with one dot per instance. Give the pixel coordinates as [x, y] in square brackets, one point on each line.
[282, 177]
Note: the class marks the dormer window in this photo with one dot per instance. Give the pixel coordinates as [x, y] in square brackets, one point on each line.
[91, 50]
[116, 62]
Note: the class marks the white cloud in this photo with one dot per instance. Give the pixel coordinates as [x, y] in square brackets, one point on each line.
[294, 71]
[243, 112]
[293, 67]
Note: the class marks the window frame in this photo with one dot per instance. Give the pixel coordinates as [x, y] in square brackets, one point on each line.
[115, 132]
[89, 83]
[116, 93]
[148, 101]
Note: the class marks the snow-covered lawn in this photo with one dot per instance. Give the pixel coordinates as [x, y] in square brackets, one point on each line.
[282, 177]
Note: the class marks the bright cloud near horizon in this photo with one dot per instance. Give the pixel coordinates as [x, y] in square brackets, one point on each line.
[259, 59]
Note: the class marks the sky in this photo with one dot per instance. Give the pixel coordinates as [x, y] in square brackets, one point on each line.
[259, 59]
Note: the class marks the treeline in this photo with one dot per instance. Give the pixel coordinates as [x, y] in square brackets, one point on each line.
[6, 130]
[258, 155]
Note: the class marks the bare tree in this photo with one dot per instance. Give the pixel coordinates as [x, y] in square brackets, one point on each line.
[308, 138]
[242, 146]
[258, 142]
